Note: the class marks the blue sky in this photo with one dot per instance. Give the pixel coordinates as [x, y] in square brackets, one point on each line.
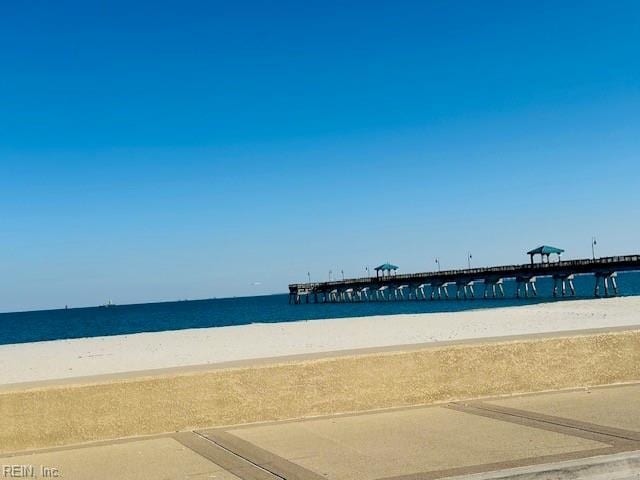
[167, 150]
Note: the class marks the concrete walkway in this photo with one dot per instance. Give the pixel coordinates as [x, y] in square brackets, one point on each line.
[571, 434]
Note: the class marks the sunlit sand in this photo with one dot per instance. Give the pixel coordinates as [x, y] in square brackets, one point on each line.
[147, 351]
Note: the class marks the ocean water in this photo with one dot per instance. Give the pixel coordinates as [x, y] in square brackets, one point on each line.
[43, 325]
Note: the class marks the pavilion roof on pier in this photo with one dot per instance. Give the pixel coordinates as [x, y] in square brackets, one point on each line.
[545, 250]
[386, 267]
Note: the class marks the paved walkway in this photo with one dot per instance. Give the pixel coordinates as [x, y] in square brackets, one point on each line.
[574, 434]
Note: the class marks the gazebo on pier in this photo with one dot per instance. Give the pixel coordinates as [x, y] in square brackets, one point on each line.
[385, 268]
[545, 251]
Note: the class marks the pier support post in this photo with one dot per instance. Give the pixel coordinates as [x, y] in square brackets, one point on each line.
[564, 280]
[349, 294]
[493, 286]
[605, 277]
[415, 291]
[380, 293]
[364, 294]
[436, 290]
[439, 288]
[523, 283]
[466, 287]
[421, 290]
[400, 290]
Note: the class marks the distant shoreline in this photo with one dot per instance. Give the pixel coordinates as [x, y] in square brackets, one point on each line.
[155, 302]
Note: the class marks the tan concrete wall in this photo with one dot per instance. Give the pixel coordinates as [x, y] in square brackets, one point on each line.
[64, 414]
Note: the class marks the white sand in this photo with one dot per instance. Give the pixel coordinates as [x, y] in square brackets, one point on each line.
[146, 351]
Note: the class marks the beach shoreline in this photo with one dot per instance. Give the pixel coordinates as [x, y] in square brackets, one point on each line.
[73, 358]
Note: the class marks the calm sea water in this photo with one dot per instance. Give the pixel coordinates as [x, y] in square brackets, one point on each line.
[152, 317]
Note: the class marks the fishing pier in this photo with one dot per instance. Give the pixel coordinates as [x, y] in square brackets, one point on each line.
[462, 284]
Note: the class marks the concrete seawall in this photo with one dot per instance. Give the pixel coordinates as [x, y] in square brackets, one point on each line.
[101, 408]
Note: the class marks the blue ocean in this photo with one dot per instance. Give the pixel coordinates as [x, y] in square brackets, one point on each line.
[22, 327]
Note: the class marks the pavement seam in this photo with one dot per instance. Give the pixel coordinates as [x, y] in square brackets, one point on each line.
[615, 433]
[497, 467]
[236, 456]
[274, 464]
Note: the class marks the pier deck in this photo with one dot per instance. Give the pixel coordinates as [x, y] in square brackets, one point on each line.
[435, 285]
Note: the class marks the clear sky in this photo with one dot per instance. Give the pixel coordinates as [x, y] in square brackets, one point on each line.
[169, 150]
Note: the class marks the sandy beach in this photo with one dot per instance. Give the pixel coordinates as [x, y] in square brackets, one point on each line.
[63, 359]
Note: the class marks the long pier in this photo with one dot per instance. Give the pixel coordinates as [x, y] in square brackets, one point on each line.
[460, 283]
